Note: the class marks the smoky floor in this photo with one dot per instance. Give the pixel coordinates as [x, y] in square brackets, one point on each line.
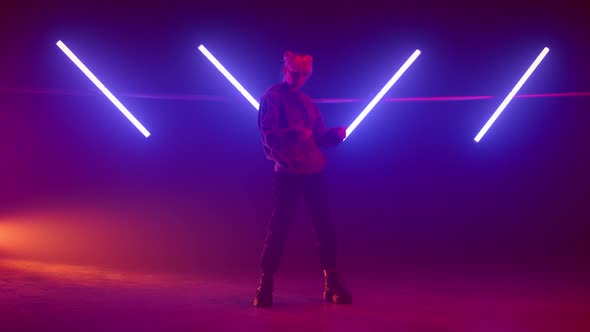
[44, 296]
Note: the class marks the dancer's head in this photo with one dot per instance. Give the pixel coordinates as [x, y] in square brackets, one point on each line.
[297, 69]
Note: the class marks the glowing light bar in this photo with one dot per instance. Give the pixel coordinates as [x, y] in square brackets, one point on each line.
[102, 88]
[511, 94]
[177, 96]
[229, 76]
[381, 93]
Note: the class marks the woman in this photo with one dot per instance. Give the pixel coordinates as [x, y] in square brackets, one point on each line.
[293, 130]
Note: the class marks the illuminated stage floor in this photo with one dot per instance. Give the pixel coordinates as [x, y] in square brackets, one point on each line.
[49, 297]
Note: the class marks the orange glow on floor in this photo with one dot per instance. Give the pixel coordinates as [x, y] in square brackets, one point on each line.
[88, 275]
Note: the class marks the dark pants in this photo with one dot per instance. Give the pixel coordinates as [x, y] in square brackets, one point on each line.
[287, 189]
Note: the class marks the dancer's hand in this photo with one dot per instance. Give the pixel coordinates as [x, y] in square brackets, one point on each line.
[341, 132]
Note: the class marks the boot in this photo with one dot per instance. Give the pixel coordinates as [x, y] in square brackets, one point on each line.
[334, 290]
[263, 296]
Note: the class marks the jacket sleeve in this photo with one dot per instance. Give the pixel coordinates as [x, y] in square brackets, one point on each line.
[274, 138]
